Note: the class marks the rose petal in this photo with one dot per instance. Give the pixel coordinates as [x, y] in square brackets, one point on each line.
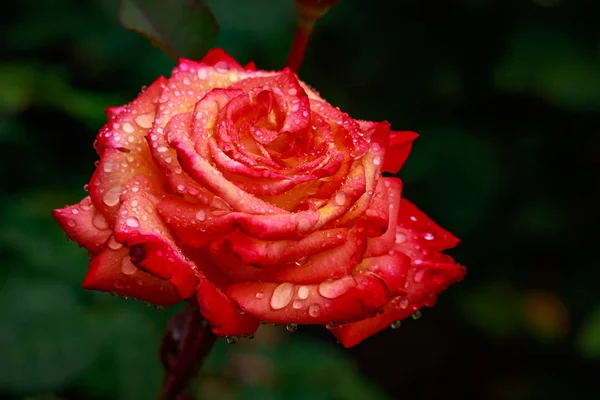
[398, 150]
[323, 265]
[346, 299]
[429, 273]
[260, 252]
[383, 244]
[84, 224]
[152, 247]
[225, 317]
[112, 271]
[123, 151]
[218, 58]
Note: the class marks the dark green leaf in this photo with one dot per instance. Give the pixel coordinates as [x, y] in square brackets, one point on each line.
[46, 340]
[180, 28]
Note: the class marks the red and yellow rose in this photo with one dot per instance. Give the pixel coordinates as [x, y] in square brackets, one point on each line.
[246, 189]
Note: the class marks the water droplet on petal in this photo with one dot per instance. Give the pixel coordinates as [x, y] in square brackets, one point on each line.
[377, 160]
[158, 308]
[113, 244]
[400, 237]
[282, 295]
[127, 127]
[127, 266]
[416, 315]
[145, 120]
[201, 215]
[291, 327]
[260, 295]
[403, 303]
[231, 339]
[428, 236]
[396, 324]
[314, 310]
[99, 222]
[111, 197]
[336, 288]
[303, 292]
[418, 277]
[297, 304]
[86, 187]
[132, 222]
[340, 198]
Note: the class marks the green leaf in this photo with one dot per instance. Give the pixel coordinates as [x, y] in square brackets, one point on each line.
[588, 339]
[552, 65]
[46, 340]
[180, 28]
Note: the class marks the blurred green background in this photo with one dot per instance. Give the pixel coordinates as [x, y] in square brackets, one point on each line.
[506, 97]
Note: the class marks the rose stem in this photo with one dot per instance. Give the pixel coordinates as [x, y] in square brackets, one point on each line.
[308, 14]
[186, 343]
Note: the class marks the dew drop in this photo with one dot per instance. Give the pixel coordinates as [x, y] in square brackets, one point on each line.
[231, 339]
[74, 211]
[260, 295]
[282, 295]
[301, 261]
[396, 324]
[297, 304]
[201, 215]
[100, 222]
[145, 120]
[416, 315]
[377, 160]
[400, 237]
[418, 277]
[132, 222]
[111, 197]
[314, 310]
[403, 303]
[428, 236]
[108, 166]
[161, 149]
[303, 292]
[336, 288]
[291, 327]
[127, 127]
[340, 198]
[113, 244]
[180, 188]
[127, 266]
[86, 187]
[158, 308]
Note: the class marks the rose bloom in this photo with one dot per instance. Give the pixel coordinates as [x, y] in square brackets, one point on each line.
[248, 190]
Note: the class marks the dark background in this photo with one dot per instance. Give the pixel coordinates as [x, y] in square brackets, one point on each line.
[506, 97]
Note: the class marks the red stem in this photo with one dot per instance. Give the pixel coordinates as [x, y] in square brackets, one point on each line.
[303, 33]
[187, 342]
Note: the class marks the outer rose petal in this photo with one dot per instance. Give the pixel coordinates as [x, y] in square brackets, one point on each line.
[224, 316]
[123, 150]
[400, 145]
[430, 273]
[219, 59]
[152, 246]
[346, 299]
[112, 271]
[84, 224]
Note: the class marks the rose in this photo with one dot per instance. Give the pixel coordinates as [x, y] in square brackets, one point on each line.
[247, 189]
